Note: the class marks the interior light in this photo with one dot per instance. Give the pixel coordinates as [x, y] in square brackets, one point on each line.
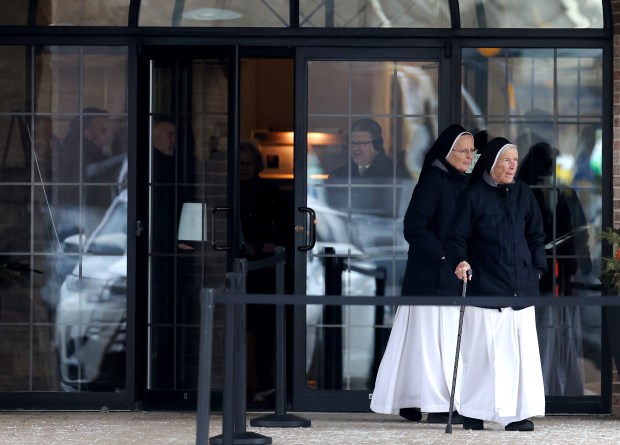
[489, 52]
[210, 14]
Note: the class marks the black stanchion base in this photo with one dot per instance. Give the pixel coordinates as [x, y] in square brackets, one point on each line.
[245, 438]
[280, 421]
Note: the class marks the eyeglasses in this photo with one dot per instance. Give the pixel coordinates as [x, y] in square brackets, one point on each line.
[359, 143]
[465, 151]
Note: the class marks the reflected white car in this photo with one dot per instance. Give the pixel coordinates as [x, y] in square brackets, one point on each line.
[91, 313]
[368, 243]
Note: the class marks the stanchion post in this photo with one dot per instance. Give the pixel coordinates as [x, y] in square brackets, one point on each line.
[241, 269]
[204, 366]
[233, 424]
[280, 419]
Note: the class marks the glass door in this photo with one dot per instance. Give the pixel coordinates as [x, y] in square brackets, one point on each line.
[368, 122]
[187, 223]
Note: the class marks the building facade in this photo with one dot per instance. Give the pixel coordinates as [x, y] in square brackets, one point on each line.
[123, 186]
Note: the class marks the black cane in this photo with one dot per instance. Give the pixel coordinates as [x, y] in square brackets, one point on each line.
[456, 358]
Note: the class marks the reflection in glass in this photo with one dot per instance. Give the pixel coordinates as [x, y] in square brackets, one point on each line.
[64, 229]
[16, 356]
[15, 225]
[187, 165]
[549, 14]
[375, 14]
[551, 106]
[57, 79]
[44, 365]
[91, 312]
[13, 72]
[63, 12]
[215, 13]
[14, 13]
[382, 116]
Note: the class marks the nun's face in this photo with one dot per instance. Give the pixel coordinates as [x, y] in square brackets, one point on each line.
[462, 154]
[505, 167]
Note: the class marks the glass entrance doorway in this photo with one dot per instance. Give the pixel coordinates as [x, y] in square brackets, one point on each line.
[323, 121]
[187, 204]
[368, 124]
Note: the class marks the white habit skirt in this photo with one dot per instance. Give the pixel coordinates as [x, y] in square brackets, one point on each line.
[418, 364]
[502, 376]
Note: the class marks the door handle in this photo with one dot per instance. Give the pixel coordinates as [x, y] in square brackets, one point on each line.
[311, 229]
[139, 228]
[214, 245]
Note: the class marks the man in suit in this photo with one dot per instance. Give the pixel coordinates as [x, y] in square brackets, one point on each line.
[371, 174]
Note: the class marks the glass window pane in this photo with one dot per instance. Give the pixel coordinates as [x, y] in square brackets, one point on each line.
[15, 223]
[91, 312]
[70, 78]
[90, 13]
[15, 356]
[16, 151]
[14, 13]
[187, 164]
[13, 71]
[362, 214]
[65, 230]
[44, 364]
[551, 106]
[105, 78]
[57, 79]
[548, 14]
[580, 70]
[215, 13]
[374, 14]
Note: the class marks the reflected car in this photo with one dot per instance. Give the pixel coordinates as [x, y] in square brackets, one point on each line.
[375, 244]
[90, 328]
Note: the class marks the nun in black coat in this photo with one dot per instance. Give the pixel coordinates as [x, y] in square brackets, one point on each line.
[498, 233]
[416, 370]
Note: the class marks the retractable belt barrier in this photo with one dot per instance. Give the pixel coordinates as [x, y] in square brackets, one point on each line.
[235, 301]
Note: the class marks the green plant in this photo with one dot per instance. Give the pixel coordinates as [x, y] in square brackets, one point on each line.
[610, 266]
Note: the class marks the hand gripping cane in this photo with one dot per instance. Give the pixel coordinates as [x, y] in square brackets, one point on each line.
[456, 358]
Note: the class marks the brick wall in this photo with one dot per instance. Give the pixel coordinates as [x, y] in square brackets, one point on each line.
[615, 5]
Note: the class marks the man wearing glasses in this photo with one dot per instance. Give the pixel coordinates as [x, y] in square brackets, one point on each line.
[371, 173]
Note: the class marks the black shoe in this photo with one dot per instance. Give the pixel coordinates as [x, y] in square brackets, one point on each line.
[521, 425]
[457, 419]
[469, 423]
[412, 414]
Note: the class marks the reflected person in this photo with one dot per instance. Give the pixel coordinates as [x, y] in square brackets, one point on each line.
[566, 236]
[89, 140]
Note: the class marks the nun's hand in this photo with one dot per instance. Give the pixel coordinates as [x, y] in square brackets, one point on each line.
[461, 271]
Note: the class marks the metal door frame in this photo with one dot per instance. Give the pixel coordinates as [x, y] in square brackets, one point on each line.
[341, 400]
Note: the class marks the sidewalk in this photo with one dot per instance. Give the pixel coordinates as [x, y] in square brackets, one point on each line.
[120, 428]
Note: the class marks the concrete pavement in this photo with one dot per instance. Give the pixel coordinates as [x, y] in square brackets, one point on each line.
[120, 428]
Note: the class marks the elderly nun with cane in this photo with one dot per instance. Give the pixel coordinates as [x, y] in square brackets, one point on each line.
[497, 232]
[415, 374]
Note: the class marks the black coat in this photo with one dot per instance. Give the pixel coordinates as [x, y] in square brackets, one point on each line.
[498, 230]
[372, 193]
[264, 215]
[426, 226]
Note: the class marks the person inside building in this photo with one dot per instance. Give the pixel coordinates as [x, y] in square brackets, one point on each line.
[497, 232]
[416, 370]
[370, 173]
[264, 221]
